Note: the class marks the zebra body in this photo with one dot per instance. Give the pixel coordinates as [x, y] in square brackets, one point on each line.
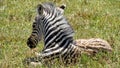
[57, 32]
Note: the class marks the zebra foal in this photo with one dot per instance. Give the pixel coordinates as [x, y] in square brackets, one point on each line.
[57, 34]
[56, 31]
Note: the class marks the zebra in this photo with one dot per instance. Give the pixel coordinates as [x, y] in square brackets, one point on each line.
[51, 25]
[57, 33]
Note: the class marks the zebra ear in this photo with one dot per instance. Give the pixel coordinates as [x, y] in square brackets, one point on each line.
[61, 8]
[39, 9]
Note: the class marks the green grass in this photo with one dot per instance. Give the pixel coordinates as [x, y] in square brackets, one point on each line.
[89, 19]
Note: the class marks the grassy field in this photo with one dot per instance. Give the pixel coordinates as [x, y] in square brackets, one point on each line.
[89, 19]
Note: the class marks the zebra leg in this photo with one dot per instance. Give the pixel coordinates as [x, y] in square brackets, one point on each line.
[42, 58]
[67, 55]
[32, 62]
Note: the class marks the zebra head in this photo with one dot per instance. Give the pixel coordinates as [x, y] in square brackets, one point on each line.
[43, 10]
[49, 8]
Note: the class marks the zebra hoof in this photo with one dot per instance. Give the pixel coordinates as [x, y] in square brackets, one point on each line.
[36, 63]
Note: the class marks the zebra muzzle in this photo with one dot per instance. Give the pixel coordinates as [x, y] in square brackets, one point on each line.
[31, 43]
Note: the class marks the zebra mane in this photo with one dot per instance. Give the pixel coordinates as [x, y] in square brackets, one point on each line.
[67, 29]
[54, 25]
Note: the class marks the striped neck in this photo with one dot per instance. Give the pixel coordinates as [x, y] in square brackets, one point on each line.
[57, 31]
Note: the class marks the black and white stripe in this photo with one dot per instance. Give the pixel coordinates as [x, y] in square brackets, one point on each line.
[56, 31]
